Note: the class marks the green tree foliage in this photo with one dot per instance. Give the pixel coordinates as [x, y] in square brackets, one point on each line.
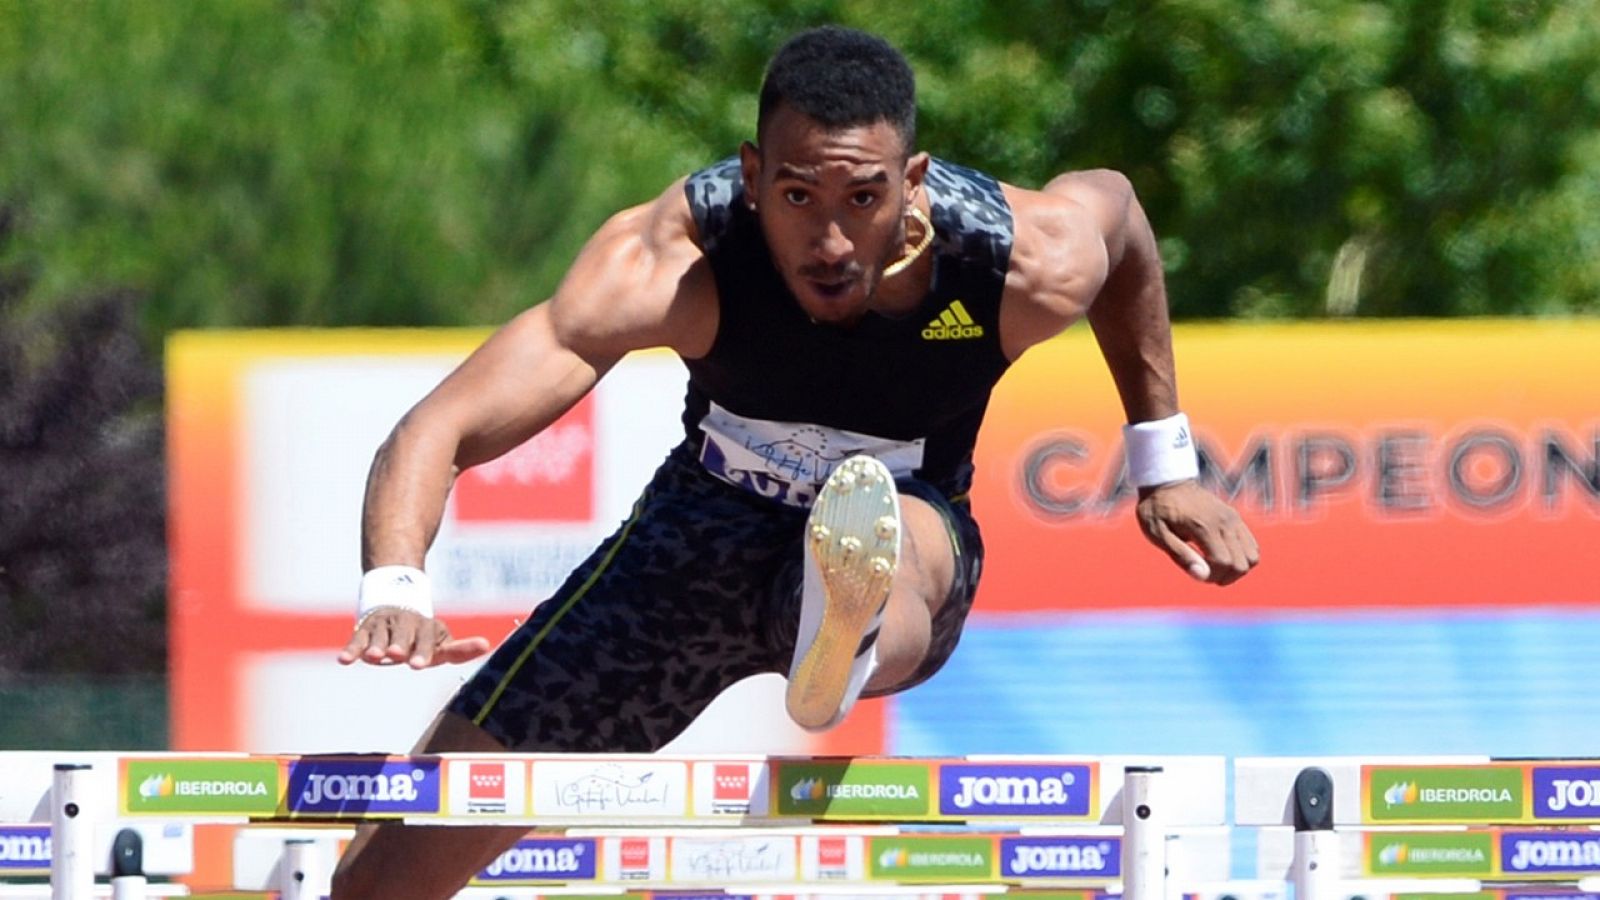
[388, 162]
[259, 162]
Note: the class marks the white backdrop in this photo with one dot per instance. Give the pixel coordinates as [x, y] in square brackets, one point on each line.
[309, 425]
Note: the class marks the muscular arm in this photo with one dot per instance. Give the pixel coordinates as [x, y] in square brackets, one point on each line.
[1129, 317]
[639, 282]
[522, 379]
[1084, 248]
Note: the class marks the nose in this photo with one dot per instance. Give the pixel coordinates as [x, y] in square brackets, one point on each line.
[833, 247]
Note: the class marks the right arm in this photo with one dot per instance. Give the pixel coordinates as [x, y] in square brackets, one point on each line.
[639, 282]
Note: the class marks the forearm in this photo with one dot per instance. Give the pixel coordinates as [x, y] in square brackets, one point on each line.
[406, 492]
[407, 488]
[1130, 323]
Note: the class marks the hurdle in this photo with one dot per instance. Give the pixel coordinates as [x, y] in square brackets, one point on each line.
[1458, 823]
[1102, 823]
[53, 822]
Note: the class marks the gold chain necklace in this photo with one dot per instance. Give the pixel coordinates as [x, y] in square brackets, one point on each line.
[912, 254]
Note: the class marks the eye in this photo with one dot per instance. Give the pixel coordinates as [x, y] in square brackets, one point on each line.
[796, 196]
[863, 199]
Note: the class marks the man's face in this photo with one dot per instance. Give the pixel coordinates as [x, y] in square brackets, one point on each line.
[832, 205]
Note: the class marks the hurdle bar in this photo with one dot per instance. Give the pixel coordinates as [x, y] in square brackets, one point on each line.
[550, 790]
[922, 892]
[1484, 855]
[833, 857]
[577, 790]
[555, 790]
[1461, 818]
[742, 788]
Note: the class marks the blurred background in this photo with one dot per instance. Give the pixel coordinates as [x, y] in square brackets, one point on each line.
[1378, 225]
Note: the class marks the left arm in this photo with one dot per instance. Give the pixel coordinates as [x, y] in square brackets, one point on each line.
[1085, 249]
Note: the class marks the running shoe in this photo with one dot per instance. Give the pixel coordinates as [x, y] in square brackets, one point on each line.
[852, 547]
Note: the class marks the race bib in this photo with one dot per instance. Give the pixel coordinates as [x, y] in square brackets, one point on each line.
[789, 461]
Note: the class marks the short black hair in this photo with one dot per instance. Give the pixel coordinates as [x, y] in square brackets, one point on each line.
[842, 78]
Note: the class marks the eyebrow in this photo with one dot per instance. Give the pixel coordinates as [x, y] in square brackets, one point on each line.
[787, 171]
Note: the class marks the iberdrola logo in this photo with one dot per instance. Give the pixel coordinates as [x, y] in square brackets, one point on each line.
[159, 785]
[1401, 794]
[1394, 855]
[894, 858]
[809, 789]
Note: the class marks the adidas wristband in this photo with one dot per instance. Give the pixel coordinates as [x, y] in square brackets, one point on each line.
[1160, 452]
[406, 587]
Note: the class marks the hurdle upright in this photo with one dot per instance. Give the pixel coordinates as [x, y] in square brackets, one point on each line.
[1469, 822]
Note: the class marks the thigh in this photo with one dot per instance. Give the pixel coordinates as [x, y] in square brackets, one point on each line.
[663, 616]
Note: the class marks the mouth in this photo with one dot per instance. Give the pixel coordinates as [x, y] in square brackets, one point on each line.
[831, 289]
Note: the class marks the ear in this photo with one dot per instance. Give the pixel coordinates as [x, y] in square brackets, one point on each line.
[916, 171]
[750, 170]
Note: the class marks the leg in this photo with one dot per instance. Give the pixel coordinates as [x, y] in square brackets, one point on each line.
[953, 534]
[392, 859]
[879, 569]
[920, 589]
[641, 637]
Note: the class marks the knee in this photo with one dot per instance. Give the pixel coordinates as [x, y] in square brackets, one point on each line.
[345, 885]
[355, 876]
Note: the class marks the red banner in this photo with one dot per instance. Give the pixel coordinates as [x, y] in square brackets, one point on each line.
[1379, 465]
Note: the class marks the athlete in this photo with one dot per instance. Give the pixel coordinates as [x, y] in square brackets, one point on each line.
[844, 304]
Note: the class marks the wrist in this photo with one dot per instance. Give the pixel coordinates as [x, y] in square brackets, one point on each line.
[405, 587]
[1160, 451]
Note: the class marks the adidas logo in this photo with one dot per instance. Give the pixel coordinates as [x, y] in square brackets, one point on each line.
[954, 324]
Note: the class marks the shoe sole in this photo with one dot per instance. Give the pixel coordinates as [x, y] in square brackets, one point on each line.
[851, 533]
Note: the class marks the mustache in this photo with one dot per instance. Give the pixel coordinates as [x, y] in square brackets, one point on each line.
[849, 271]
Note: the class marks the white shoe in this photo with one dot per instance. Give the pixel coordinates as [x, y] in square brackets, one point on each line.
[852, 548]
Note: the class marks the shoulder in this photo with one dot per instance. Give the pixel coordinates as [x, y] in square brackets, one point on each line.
[713, 197]
[1066, 241]
[1074, 220]
[660, 226]
[640, 281]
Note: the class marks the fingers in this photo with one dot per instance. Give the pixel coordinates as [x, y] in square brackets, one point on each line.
[1201, 533]
[391, 636]
[1243, 550]
[352, 650]
[1222, 545]
[377, 628]
[1181, 552]
[435, 647]
[384, 637]
[460, 650]
[422, 649]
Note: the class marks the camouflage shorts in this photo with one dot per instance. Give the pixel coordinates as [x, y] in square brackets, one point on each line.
[697, 590]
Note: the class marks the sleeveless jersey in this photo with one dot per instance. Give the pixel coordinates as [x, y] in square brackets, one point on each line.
[779, 400]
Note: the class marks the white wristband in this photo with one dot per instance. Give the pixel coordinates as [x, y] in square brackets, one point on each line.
[403, 586]
[1160, 452]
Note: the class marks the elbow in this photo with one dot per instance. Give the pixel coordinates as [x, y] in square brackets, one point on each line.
[403, 432]
[419, 436]
[1116, 183]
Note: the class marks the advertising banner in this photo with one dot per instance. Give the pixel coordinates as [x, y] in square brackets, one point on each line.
[1508, 854]
[1461, 459]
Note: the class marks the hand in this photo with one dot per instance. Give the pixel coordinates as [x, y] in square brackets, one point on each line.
[1183, 516]
[391, 634]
